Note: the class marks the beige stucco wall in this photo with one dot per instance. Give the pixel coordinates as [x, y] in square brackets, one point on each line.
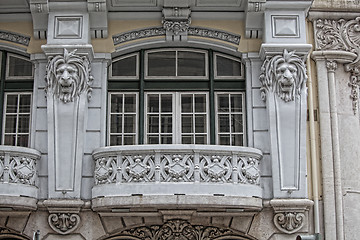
[348, 5]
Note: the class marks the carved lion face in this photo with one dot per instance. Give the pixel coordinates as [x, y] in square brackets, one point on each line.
[67, 78]
[286, 75]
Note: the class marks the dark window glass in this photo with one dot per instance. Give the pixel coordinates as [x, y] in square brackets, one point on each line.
[125, 67]
[19, 67]
[161, 64]
[227, 67]
[191, 64]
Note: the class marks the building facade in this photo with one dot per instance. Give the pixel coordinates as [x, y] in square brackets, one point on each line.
[179, 119]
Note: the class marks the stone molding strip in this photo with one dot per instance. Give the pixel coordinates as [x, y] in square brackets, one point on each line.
[14, 37]
[160, 31]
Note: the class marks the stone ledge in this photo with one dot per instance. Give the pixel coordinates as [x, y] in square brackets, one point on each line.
[17, 203]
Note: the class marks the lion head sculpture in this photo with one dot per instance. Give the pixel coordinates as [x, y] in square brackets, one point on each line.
[284, 74]
[68, 76]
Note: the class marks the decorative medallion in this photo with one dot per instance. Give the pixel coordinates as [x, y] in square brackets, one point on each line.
[284, 75]
[68, 76]
[177, 168]
[178, 230]
[104, 170]
[138, 168]
[22, 170]
[64, 223]
[289, 222]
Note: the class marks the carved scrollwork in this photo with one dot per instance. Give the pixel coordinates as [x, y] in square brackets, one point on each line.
[215, 168]
[22, 170]
[2, 168]
[138, 168]
[14, 37]
[68, 76]
[250, 172]
[178, 229]
[177, 168]
[64, 223]
[289, 222]
[176, 27]
[284, 75]
[105, 170]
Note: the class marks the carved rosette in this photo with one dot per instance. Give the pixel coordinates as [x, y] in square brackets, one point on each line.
[283, 75]
[64, 223]
[180, 230]
[68, 76]
[289, 222]
[345, 36]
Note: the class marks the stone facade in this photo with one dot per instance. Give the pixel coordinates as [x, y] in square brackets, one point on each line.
[298, 78]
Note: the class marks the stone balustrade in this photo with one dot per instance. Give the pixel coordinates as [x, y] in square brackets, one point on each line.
[177, 170]
[18, 176]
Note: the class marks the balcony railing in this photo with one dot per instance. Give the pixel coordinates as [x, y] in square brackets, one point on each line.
[18, 171]
[177, 170]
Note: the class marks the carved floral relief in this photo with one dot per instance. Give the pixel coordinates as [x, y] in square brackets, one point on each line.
[68, 76]
[64, 223]
[285, 75]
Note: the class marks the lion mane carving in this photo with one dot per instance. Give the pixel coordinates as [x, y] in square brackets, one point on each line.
[68, 76]
[283, 74]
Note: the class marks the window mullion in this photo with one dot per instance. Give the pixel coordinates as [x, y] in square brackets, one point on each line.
[17, 119]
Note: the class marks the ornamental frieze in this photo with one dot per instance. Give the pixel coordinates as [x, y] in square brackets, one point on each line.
[14, 37]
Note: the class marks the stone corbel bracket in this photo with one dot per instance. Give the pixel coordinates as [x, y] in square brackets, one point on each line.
[64, 215]
[98, 18]
[254, 18]
[176, 20]
[290, 215]
[39, 12]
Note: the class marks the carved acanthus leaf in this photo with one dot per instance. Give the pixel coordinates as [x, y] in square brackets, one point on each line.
[64, 223]
[289, 222]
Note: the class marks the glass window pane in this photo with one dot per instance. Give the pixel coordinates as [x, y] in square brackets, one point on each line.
[19, 67]
[24, 124]
[153, 140]
[191, 63]
[10, 124]
[129, 140]
[186, 103]
[25, 102]
[11, 103]
[227, 67]
[161, 63]
[115, 140]
[116, 103]
[200, 103]
[116, 123]
[166, 103]
[166, 123]
[187, 124]
[187, 139]
[166, 139]
[200, 124]
[224, 139]
[237, 140]
[124, 67]
[153, 103]
[130, 103]
[10, 140]
[224, 123]
[236, 123]
[200, 139]
[153, 124]
[236, 102]
[23, 140]
[129, 123]
[223, 103]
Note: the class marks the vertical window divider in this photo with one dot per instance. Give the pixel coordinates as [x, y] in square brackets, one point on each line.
[17, 119]
[2, 89]
[212, 97]
[141, 98]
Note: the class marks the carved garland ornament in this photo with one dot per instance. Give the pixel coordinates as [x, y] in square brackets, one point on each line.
[180, 230]
[68, 76]
[342, 35]
[289, 222]
[284, 75]
[64, 223]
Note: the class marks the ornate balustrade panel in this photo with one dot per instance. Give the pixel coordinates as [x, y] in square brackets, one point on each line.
[177, 169]
[18, 171]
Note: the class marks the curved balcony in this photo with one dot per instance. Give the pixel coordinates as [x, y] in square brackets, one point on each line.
[17, 177]
[211, 175]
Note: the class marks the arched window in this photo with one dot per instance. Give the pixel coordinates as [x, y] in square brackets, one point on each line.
[176, 96]
[16, 78]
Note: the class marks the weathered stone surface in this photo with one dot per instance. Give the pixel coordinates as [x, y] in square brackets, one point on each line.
[262, 226]
[132, 221]
[66, 237]
[17, 223]
[241, 224]
[112, 224]
[38, 221]
[221, 221]
[90, 226]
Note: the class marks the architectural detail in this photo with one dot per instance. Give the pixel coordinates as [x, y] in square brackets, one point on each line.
[138, 168]
[39, 12]
[354, 84]
[14, 37]
[285, 26]
[178, 229]
[64, 223]
[68, 76]
[283, 74]
[177, 168]
[254, 18]
[176, 21]
[98, 18]
[331, 66]
[192, 31]
[289, 222]
[176, 27]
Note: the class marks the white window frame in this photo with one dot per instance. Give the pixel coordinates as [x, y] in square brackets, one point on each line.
[176, 113]
[176, 50]
[216, 77]
[136, 77]
[17, 117]
[244, 112]
[136, 117]
[7, 77]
